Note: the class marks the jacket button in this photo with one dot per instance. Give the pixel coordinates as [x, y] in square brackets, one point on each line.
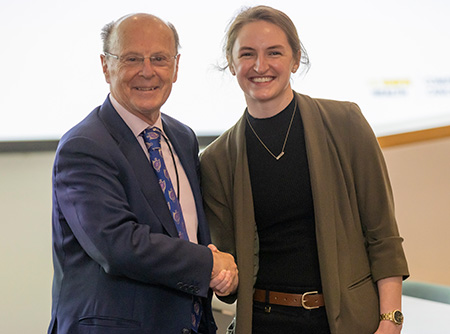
[186, 331]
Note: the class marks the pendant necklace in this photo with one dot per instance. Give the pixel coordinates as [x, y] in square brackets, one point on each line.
[277, 157]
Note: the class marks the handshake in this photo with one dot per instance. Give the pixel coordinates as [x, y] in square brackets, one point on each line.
[224, 276]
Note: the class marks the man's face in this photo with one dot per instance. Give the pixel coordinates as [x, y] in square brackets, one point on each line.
[141, 87]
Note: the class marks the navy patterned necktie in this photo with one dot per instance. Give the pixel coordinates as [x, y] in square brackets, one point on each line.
[152, 139]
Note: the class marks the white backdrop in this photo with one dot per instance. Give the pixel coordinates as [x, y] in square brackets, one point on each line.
[391, 57]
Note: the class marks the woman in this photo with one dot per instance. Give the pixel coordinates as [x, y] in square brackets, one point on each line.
[297, 190]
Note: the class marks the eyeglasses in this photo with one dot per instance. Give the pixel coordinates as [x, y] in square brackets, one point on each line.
[159, 60]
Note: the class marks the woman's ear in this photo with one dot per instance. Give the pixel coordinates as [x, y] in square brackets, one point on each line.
[297, 62]
[231, 67]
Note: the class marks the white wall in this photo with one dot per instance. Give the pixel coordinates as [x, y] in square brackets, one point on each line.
[419, 174]
[25, 242]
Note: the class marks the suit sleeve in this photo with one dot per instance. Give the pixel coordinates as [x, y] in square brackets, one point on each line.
[90, 191]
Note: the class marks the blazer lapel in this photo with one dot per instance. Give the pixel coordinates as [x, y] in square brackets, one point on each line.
[319, 161]
[131, 149]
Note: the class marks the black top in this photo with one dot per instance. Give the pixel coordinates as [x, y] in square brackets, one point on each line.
[283, 204]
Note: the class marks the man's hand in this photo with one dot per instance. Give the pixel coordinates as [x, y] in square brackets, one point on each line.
[224, 276]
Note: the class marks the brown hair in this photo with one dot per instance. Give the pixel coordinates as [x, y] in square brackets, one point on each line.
[268, 14]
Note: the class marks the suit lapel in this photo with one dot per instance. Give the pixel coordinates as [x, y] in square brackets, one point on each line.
[139, 163]
[183, 148]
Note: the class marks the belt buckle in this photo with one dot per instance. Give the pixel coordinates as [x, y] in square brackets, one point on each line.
[304, 301]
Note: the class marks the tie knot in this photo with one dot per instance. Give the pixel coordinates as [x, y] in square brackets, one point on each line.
[152, 138]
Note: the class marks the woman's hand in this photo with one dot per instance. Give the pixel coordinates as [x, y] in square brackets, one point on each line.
[224, 278]
[388, 327]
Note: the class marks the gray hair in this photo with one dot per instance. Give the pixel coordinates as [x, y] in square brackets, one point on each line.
[108, 29]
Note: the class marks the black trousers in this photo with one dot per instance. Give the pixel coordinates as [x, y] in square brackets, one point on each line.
[287, 320]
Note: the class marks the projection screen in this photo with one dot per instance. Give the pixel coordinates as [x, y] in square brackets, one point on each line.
[390, 57]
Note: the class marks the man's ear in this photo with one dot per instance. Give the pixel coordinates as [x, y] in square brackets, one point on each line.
[175, 74]
[105, 67]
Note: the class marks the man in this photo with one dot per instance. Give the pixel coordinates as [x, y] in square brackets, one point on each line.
[122, 264]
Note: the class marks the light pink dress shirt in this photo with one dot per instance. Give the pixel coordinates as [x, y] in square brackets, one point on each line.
[186, 196]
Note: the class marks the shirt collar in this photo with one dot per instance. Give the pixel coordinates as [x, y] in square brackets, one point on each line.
[135, 124]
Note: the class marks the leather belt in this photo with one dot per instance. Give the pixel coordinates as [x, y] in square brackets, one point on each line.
[308, 300]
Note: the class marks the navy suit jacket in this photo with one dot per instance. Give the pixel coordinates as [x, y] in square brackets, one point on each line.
[119, 266]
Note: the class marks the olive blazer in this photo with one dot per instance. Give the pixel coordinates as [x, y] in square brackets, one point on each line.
[357, 235]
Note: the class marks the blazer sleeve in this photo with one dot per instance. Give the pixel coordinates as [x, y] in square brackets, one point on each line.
[217, 197]
[93, 188]
[374, 198]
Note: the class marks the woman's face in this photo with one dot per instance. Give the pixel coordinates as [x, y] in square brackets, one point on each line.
[262, 62]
